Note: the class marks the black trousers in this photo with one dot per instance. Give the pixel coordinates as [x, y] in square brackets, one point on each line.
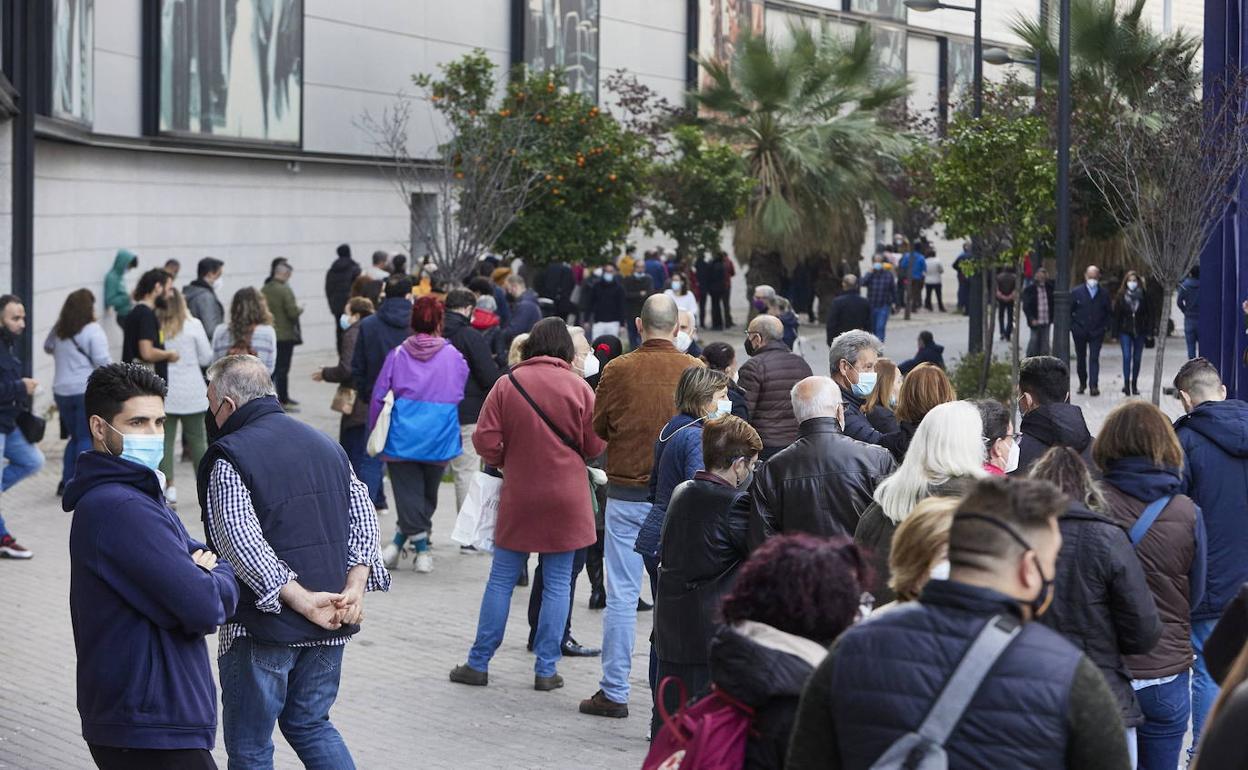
[112, 758]
[933, 288]
[415, 494]
[281, 372]
[696, 677]
[1005, 318]
[535, 595]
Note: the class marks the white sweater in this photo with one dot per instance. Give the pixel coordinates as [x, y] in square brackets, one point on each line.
[187, 392]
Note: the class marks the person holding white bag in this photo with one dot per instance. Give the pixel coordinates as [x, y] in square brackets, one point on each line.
[537, 426]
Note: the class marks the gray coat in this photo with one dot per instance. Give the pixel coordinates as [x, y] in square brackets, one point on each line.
[202, 301]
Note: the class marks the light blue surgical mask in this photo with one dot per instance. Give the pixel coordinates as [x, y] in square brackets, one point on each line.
[723, 407]
[344, 322]
[146, 449]
[865, 384]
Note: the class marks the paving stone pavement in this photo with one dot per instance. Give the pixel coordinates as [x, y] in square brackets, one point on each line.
[396, 706]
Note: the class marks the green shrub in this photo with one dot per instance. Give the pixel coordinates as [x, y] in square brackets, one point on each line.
[965, 376]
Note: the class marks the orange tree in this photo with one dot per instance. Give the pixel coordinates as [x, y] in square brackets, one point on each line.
[591, 174]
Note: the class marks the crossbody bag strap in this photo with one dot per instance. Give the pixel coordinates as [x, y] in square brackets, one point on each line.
[945, 714]
[1150, 515]
[554, 428]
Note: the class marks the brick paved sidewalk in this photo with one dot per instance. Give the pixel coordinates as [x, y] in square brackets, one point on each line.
[396, 707]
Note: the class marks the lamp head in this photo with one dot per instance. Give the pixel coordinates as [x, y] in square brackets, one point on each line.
[998, 56]
[923, 6]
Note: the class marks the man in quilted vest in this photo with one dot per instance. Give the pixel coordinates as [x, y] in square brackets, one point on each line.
[1042, 703]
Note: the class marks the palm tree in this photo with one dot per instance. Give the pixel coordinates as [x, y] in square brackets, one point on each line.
[803, 112]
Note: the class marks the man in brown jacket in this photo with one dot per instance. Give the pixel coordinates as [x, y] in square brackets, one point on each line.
[635, 399]
[768, 379]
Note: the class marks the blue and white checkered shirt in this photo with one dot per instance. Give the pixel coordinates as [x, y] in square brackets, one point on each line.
[238, 538]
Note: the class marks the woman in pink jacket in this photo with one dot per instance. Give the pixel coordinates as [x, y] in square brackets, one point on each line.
[537, 426]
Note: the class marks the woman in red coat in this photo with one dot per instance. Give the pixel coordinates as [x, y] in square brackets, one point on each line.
[544, 506]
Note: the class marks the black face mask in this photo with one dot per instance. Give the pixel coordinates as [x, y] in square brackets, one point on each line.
[750, 348]
[1044, 599]
[162, 303]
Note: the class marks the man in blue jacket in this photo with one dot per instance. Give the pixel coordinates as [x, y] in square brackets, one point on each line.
[1189, 303]
[23, 457]
[142, 593]
[525, 311]
[1214, 435]
[380, 333]
[1089, 318]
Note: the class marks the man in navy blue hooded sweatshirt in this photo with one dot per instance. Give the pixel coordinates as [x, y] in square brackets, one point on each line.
[142, 593]
[1214, 435]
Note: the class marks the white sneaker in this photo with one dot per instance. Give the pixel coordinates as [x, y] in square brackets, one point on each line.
[424, 562]
[390, 555]
[171, 495]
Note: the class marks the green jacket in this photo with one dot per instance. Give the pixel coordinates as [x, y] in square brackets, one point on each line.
[285, 310]
[115, 294]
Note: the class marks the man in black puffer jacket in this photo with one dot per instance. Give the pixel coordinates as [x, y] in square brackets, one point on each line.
[822, 482]
[1049, 419]
[1042, 704]
[482, 372]
[767, 378]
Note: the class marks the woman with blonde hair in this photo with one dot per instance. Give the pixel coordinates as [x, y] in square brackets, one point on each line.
[925, 387]
[249, 331]
[946, 453]
[879, 406]
[187, 399]
[920, 548]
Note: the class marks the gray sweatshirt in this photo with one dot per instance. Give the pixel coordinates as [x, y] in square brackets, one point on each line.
[76, 358]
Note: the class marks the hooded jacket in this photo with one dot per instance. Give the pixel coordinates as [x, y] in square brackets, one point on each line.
[380, 333]
[1215, 475]
[765, 669]
[427, 375]
[140, 609]
[202, 302]
[115, 294]
[1172, 553]
[338, 279]
[1102, 602]
[1050, 425]
[821, 483]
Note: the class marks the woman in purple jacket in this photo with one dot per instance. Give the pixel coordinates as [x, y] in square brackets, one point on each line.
[426, 376]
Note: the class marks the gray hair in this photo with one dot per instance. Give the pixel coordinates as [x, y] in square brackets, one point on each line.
[241, 378]
[815, 397]
[763, 291]
[486, 302]
[848, 345]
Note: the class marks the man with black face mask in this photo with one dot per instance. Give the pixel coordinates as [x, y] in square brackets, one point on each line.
[1039, 703]
[144, 342]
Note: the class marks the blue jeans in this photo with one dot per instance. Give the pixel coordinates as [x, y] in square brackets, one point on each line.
[1204, 689]
[1189, 333]
[23, 460]
[879, 320]
[625, 569]
[368, 469]
[73, 411]
[1132, 354]
[496, 604]
[292, 686]
[1166, 709]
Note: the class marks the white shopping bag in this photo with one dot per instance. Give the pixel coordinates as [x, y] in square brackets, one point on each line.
[474, 525]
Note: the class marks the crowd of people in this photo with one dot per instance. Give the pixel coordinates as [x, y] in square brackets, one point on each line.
[859, 570]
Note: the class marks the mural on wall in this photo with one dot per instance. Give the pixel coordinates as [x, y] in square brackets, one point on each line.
[564, 34]
[73, 59]
[721, 23]
[232, 68]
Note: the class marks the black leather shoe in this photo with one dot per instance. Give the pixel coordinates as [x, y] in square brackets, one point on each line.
[1082, 388]
[523, 580]
[469, 676]
[574, 649]
[598, 599]
[644, 606]
[1096, 391]
[547, 683]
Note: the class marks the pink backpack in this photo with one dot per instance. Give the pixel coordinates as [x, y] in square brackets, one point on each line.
[707, 735]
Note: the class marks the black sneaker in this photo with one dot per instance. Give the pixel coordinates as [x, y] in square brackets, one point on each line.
[547, 683]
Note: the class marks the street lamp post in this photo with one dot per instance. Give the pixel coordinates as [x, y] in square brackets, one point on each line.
[975, 290]
[1061, 289]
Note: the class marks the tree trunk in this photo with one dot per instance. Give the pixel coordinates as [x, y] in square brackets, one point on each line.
[989, 320]
[1018, 331]
[1167, 297]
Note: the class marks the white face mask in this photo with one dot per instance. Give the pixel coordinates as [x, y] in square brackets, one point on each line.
[735, 376]
[723, 407]
[1011, 462]
[591, 366]
[683, 341]
[598, 272]
[940, 571]
[1092, 283]
[1133, 285]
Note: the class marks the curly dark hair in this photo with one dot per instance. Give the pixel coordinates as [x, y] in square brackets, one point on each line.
[76, 313]
[801, 584]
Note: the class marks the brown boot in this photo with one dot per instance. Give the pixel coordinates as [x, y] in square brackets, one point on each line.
[602, 706]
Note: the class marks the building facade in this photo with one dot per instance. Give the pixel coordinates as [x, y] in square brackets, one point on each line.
[232, 128]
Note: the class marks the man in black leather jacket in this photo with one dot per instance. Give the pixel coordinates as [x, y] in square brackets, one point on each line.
[822, 482]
